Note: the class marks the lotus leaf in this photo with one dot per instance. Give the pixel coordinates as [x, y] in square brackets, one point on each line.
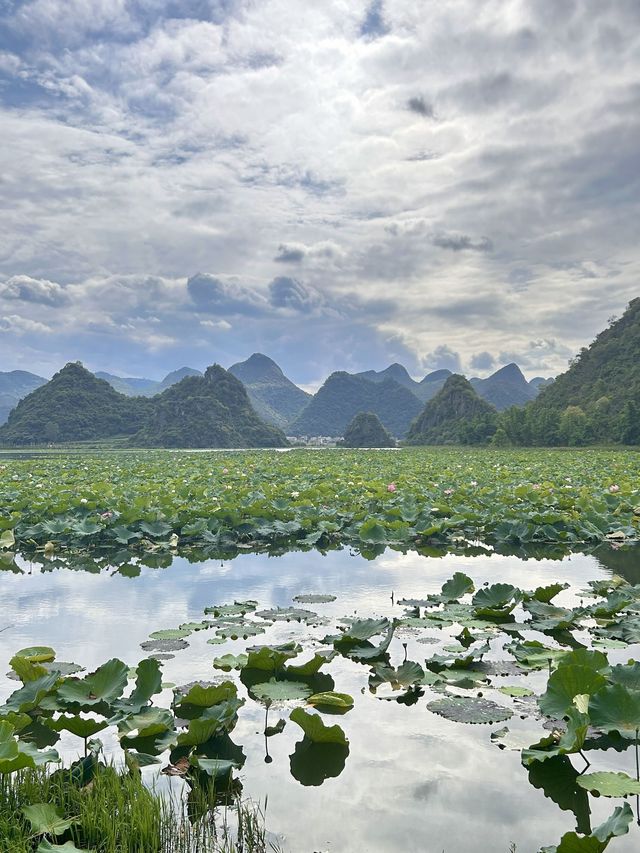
[363, 629]
[235, 632]
[170, 634]
[314, 598]
[515, 690]
[28, 698]
[46, 819]
[626, 674]
[206, 695]
[616, 708]
[271, 658]
[68, 847]
[469, 710]
[37, 654]
[406, 675]
[546, 593]
[103, 685]
[496, 600]
[609, 784]
[533, 654]
[331, 699]
[564, 684]
[315, 730]
[288, 614]
[457, 586]
[310, 667]
[147, 724]
[79, 726]
[238, 608]
[218, 769]
[557, 744]
[281, 691]
[229, 662]
[212, 722]
[164, 645]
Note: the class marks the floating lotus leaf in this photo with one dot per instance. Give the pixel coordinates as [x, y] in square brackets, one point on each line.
[564, 684]
[616, 708]
[288, 614]
[469, 710]
[197, 626]
[331, 699]
[609, 784]
[103, 685]
[516, 741]
[46, 819]
[281, 691]
[229, 662]
[164, 645]
[170, 634]
[315, 730]
[360, 630]
[236, 632]
[515, 690]
[547, 617]
[314, 598]
[238, 608]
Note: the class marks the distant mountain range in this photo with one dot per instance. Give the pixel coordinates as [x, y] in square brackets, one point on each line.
[274, 397]
[456, 415]
[391, 394]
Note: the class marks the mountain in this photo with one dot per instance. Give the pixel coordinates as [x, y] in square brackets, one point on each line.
[138, 387]
[506, 387]
[432, 383]
[14, 385]
[73, 406]
[130, 386]
[365, 430]
[206, 411]
[176, 376]
[597, 400]
[274, 397]
[539, 382]
[456, 415]
[343, 395]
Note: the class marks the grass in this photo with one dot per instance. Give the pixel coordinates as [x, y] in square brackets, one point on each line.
[117, 813]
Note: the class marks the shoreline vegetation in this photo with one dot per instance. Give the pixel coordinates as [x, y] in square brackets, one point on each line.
[415, 498]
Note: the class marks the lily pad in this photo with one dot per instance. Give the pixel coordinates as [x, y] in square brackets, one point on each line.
[170, 634]
[609, 784]
[281, 691]
[461, 709]
[332, 700]
[229, 662]
[46, 819]
[314, 598]
[164, 645]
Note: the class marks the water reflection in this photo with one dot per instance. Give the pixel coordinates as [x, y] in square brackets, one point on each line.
[400, 783]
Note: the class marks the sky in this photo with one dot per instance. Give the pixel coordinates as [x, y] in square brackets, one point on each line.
[338, 184]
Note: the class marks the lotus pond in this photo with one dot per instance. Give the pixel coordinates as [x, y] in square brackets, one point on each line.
[423, 694]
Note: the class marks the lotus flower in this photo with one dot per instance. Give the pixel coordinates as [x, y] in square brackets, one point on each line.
[392, 487]
[614, 488]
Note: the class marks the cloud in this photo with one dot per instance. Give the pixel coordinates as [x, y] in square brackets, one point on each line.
[209, 293]
[146, 139]
[462, 242]
[27, 289]
[285, 292]
[442, 357]
[290, 253]
[482, 361]
[17, 325]
[417, 104]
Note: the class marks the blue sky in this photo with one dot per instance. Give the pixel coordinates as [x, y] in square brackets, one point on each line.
[339, 184]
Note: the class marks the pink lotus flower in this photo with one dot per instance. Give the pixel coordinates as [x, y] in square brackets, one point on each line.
[614, 488]
[225, 470]
[392, 487]
[448, 491]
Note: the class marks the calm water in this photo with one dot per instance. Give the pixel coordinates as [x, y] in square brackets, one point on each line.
[412, 781]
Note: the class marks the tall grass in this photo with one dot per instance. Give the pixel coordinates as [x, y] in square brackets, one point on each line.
[116, 813]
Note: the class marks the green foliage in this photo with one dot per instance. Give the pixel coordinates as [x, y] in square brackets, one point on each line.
[206, 411]
[456, 415]
[366, 430]
[73, 406]
[343, 395]
[595, 401]
[274, 397]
